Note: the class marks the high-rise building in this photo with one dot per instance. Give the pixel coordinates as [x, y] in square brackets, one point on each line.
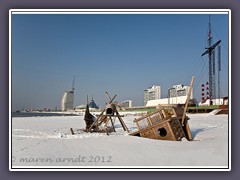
[178, 91]
[177, 94]
[127, 103]
[152, 93]
[67, 100]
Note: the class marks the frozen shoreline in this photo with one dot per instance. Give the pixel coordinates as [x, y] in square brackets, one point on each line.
[46, 141]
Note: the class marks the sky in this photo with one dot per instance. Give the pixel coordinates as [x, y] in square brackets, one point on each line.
[123, 54]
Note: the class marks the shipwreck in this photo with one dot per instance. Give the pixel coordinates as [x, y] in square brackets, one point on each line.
[166, 123]
[104, 122]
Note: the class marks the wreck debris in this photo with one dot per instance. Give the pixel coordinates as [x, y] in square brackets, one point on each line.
[162, 124]
[88, 117]
[102, 120]
[184, 121]
[89, 120]
[167, 123]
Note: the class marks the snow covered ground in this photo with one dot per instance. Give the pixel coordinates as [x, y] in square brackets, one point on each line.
[46, 142]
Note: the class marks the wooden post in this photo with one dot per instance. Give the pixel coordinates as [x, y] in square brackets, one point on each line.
[111, 99]
[72, 132]
[96, 122]
[188, 99]
[183, 122]
[122, 122]
[112, 124]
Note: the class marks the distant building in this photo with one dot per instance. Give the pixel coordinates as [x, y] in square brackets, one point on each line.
[127, 103]
[152, 93]
[80, 107]
[176, 95]
[219, 101]
[92, 106]
[225, 100]
[67, 100]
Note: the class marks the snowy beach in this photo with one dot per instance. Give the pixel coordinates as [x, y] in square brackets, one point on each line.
[47, 142]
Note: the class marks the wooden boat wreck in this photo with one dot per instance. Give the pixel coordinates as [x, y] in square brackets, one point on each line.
[104, 122]
[167, 123]
[164, 124]
[101, 123]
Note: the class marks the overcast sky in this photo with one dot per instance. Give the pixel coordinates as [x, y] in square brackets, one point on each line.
[119, 53]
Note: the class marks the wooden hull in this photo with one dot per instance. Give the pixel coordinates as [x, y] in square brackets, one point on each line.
[169, 129]
[163, 124]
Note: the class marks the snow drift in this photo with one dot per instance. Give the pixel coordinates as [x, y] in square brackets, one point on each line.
[47, 142]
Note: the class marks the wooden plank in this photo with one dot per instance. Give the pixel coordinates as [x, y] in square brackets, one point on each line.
[160, 115]
[122, 122]
[171, 131]
[155, 133]
[109, 115]
[137, 125]
[164, 113]
[187, 101]
[187, 128]
[153, 126]
[72, 132]
[96, 122]
[184, 122]
[156, 118]
[145, 116]
[148, 134]
[149, 121]
[112, 124]
[178, 111]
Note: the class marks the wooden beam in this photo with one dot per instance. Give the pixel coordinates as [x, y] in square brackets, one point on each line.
[183, 122]
[72, 132]
[112, 124]
[122, 122]
[187, 101]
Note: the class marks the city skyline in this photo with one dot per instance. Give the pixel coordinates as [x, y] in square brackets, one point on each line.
[123, 54]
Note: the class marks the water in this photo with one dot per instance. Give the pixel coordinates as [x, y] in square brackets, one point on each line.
[36, 114]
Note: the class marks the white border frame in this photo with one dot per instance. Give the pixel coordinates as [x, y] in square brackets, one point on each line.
[118, 11]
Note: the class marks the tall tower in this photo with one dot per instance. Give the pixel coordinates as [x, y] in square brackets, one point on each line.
[68, 98]
[219, 69]
[211, 55]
